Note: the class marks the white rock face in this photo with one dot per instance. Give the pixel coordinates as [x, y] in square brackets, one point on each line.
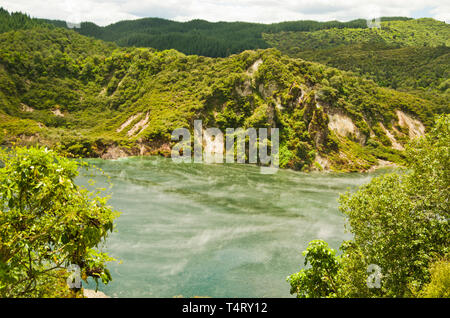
[395, 143]
[26, 108]
[341, 124]
[139, 127]
[252, 69]
[129, 121]
[57, 112]
[415, 127]
[344, 126]
[323, 162]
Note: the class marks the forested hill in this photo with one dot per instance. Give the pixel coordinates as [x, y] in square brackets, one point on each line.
[92, 98]
[419, 32]
[405, 54]
[411, 55]
[17, 21]
[201, 37]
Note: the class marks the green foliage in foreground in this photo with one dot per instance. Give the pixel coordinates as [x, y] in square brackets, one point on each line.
[439, 286]
[400, 223]
[47, 222]
[319, 279]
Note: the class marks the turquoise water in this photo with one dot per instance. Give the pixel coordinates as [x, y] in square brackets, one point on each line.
[215, 230]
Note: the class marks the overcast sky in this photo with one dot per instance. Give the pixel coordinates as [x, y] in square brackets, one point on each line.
[104, 12]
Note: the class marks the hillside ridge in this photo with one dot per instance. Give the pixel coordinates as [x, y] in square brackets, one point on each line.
[90, 98]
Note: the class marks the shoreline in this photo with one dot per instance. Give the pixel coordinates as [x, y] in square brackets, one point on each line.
[381, 164]
[161, 149]
[90, 293]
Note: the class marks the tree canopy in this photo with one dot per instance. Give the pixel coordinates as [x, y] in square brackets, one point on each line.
[400, 224]
[47, 224]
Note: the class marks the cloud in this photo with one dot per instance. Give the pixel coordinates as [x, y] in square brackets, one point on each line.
[104, 12]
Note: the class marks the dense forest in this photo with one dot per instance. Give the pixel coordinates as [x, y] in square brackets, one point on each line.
[201, 37]
[85, 95]
[400, 232]
[405, 54]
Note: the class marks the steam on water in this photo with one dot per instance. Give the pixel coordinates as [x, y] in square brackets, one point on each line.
[221, 230]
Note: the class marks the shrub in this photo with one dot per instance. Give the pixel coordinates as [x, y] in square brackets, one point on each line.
[47, 223]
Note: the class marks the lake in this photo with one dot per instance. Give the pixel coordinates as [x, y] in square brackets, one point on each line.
[215, 230]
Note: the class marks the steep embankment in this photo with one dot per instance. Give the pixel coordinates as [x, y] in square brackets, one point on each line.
[90, 98]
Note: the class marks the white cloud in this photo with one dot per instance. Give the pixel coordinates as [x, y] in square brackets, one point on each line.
[442, 13]
[104, 12]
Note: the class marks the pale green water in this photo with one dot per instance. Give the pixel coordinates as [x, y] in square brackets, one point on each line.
[216, 230]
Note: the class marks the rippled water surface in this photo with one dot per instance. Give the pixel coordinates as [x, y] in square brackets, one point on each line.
[215, 230]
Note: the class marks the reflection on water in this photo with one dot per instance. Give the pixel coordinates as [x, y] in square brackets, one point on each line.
[215, 230]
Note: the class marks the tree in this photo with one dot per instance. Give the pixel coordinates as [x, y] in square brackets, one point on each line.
[439, 286]
[400, 220]
[320, 278]
[48, 223]
[400, 224]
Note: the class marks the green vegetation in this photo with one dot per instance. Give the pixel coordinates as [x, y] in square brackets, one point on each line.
[17, 21]
[411, 56]
[407, 54]
[199, 37]
[390, 65]
[420, 32]
[91, 98]
[77, 93]
[400, 223]
[47, 223]
[439, 285]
